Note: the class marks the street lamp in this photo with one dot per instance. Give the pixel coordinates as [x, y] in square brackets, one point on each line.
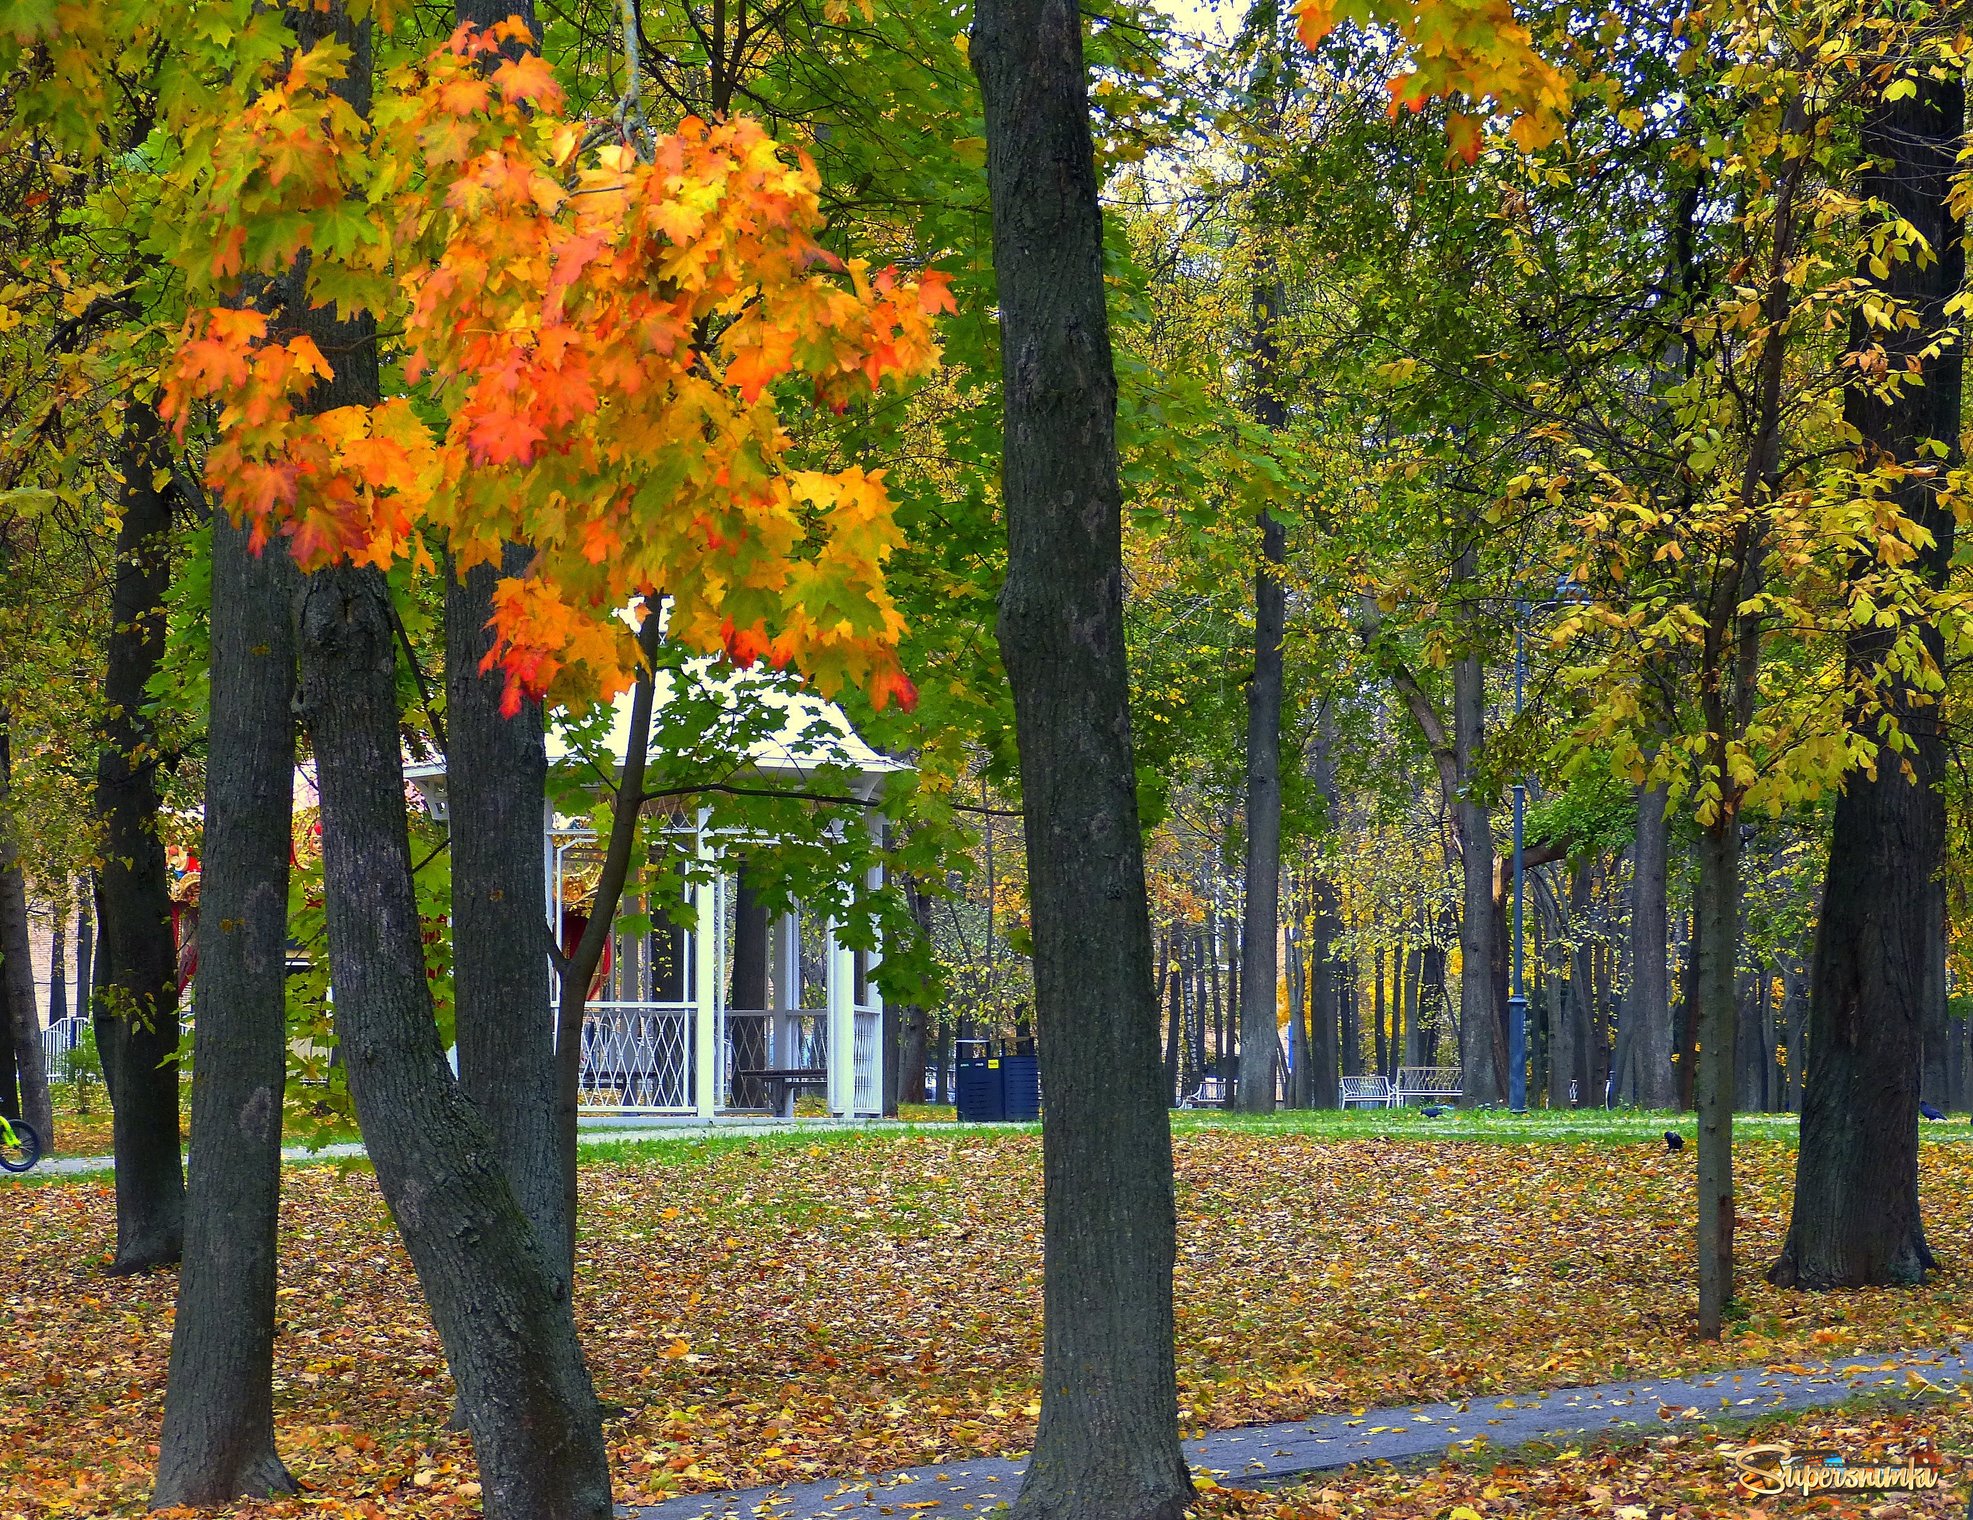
[1517, 999]
[1566, 590]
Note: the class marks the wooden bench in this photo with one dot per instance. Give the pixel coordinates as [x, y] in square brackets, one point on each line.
[1212, 1092]
[783, 1082]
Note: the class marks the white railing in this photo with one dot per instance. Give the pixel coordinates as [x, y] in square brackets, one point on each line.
[58, 1044]
[637, 1055]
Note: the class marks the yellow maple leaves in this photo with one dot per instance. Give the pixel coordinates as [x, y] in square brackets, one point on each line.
[1477, 51]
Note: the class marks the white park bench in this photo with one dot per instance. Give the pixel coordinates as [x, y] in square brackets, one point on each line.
[1364, 1092]
[1212, 1092]
[1425, 1084]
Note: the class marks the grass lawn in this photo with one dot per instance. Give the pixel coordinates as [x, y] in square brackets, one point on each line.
[781, 1307]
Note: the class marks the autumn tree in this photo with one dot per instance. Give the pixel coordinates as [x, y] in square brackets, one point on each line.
[1879, 950]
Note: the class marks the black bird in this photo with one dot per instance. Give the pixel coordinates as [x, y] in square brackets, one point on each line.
[1434, 1111]
[1674, 1141]
[1929, 1111]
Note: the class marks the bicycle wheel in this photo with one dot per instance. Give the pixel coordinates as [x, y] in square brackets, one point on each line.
[22, 1151]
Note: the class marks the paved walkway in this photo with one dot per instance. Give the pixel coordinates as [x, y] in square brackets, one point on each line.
[1265, 1455]
[600, 1131]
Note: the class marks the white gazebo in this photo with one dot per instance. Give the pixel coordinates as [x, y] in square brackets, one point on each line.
[660, 1035]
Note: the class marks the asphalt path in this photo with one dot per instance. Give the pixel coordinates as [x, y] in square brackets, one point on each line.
[1260, 1456]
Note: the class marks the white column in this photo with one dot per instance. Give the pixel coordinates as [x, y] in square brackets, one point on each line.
[706, 905]
[785, 1047]
[842, 1025]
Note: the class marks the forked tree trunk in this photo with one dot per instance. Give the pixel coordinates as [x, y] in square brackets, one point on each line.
[1856, 1220]
[137, 1017]
[497, 1302]
[1717, 914]
[1107, 1447]
[496, 787]
[218, 1439]
[500, 1307]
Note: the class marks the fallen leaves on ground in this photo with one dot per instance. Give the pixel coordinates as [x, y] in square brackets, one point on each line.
[1674, 1477]
[796, 1307]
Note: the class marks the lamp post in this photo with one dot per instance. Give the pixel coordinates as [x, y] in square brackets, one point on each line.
[1517, 1001]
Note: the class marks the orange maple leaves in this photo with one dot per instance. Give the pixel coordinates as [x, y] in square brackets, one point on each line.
[1475, 50]
[607, 341]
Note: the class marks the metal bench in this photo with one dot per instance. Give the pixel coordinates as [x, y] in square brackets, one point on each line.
[1363, 1092]
[1212, 1092]
[1425, 1084]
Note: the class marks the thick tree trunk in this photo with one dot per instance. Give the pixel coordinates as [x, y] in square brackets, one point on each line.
[218, 1440]
[1717, 922]
[501, 1309]
[1856, 1219]
[496, 786]
[1482, 1079]
[137, 1019]
[1107, 1447]
[1651, 1081]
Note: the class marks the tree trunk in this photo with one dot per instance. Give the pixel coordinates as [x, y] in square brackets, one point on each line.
[1688, 1015]
[747, 1038]
[58, 955]
[1856, 1218]
[1107, 1446]
[496, 788]
[1352, 1022]
[502, 1311]
[1651, 1081]
[1260, 1022]
[137, 1018]
[1480, 1073]
[85, 946]
[914, 1025]
[1717, 921]
[27, 1073]
[218, 1439]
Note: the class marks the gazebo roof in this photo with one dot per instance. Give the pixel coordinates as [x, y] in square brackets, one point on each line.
[810, 732]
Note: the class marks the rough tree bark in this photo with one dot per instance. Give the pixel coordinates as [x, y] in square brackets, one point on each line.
[1856, 1217]
[1650, 1077]
[1717, 923]
[499, 1306]
[137, 1017]
[496, 787]
[1107, 1447]
[218, 1439]
[501, 1309]
[1259, 1019]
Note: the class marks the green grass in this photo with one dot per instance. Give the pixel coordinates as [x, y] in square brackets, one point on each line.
[1495, 1127]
